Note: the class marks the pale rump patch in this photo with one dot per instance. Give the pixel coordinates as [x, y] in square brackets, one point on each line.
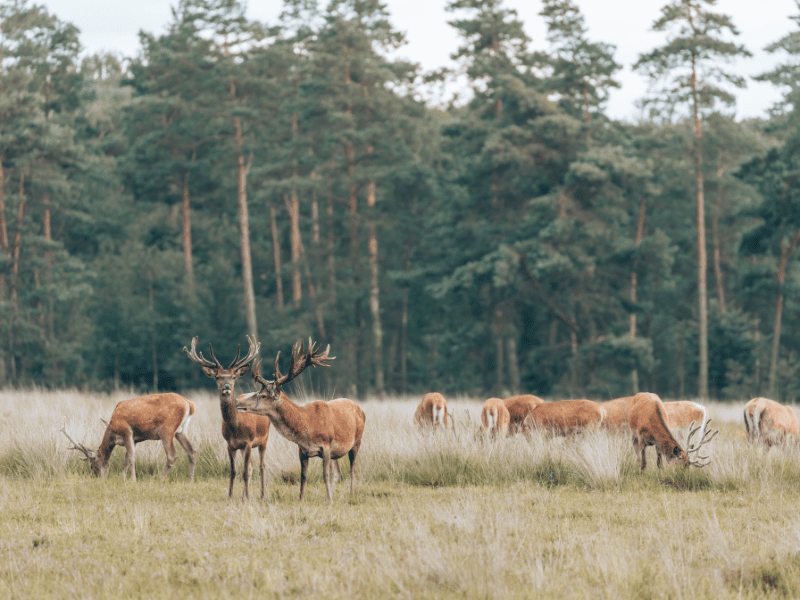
[185, 423]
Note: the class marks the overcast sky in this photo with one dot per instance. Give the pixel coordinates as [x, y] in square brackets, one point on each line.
[113, 25]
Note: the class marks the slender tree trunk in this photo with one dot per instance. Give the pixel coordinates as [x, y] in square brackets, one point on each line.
[632, 318]
[702, 260]
[512, 360]
[186, 221]
[17, 243]
[3, 228]
[716, 243]
[276, 255]
[48, 275]
[776, 333]
[573, 344]
[244, 227]
[499, 364]
[374, 288]
[293, 206]
[153, 332]
[331, 252]
[757, 365]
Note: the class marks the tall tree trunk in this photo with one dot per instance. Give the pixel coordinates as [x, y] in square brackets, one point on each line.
[512, 360]
[48, 275]
[331, 252]
[632, 318]
[776, 332]
[702, 260]
[716, 243]
[276, 255]
[244, 228]
[374, 288]
[186, 221]
[153, 331]
[17, 243]
[293, 206]
[499, 362]
[3, 228]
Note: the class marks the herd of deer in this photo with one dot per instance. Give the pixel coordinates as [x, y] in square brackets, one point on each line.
[333, 429]
[645, 415]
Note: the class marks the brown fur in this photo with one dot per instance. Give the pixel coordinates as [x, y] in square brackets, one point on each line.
[647, 420]
[565, 417]
[683, 413]
[495, 417]
[424, 416]
[325, 429]
[769, 421]
[151, 417]
[519, 409]
[617, 412]
[241, 432]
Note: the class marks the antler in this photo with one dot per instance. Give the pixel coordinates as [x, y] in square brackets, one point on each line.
[254, 347]
[300, 361]
[200, 359]
[76, 445]
[708, 435]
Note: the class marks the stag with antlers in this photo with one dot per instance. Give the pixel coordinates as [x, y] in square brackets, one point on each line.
[325, 429]
[242, 432]
[648, 422]
[162, 417]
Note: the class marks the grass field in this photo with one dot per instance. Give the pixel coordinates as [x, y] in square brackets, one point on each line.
[441, 516]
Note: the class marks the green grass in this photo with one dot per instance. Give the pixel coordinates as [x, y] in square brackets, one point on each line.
[441, 516]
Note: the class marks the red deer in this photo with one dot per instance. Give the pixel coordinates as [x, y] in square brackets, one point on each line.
[432, 411]
[647, 420]
[241, 432]
[617, 412]
[769, 421]
[495, 417]
[162, 417]
[325, 429]
[565, 417]
[519, 409]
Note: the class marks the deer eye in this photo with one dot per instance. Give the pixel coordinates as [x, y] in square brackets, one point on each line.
[676, 452]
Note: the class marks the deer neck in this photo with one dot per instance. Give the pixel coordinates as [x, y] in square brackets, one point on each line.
[103, 454]
[228, 406]
[287, 417]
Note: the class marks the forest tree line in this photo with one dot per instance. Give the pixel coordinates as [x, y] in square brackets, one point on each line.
[293, 180]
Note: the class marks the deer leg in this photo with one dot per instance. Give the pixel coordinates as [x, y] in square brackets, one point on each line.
[262, 451]
[352, 455]
[327, 469]
[130, 456]
[172, 456]
[303, 472]
[232, 457]
[246, 472]
[336, 472]
[184, 442]
[658, 458]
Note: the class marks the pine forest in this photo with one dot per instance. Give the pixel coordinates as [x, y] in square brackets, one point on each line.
[294, 180]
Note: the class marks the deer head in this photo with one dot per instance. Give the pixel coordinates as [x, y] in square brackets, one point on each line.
[224, 378]
[96, 462]
[271, 390]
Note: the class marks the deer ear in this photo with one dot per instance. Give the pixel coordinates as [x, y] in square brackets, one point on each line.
[242, 370]
[210, 372]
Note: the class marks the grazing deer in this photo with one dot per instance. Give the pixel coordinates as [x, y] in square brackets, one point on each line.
[241, 432]
[432, 411]
[162, 417]
[495, 417]
[519, 409]
[565, 417]
[325, 429]
[769, 421]
[617, 412]
[647, 420]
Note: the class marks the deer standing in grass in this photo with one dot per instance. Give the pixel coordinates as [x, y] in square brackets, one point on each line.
[519, 409]
[432, 411]
[495, 417]
[769, 421]
[647, 420]
[565, 417]
[162, 417]
[325, 429]
[241, 432]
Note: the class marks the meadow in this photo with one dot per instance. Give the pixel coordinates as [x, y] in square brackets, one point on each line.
[433, 516]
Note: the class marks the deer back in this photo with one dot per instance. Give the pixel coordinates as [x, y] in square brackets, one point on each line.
[769, 418]
[520, 407]
[566, 416]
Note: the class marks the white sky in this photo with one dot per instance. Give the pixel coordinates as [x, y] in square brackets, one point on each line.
[113, 25]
